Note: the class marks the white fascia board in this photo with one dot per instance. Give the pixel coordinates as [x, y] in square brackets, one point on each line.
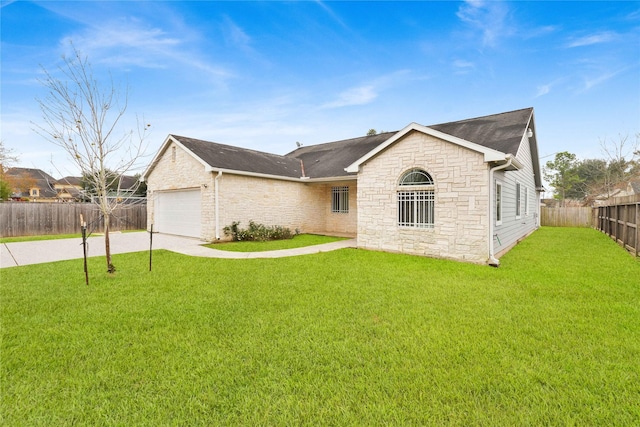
[254, 174]
[302, 179]
[332, 179]
[490, 155]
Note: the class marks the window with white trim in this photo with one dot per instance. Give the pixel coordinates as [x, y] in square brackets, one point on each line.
[526, 201]
[518, 201]
[498, 203]
[35, 192]
[340, 199]
[416, 200]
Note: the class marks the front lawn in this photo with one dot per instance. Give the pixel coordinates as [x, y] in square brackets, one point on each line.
[350, 337]
[297, 241]
[34, 238]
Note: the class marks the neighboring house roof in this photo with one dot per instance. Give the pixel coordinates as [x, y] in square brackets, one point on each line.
[128, 182]
[32, 178]
[74, 181]
[495, 136]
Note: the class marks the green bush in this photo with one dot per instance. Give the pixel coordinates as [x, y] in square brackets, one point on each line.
[257, 232]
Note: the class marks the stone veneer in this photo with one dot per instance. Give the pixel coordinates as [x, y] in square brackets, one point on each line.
[298, 205]
[461, 200]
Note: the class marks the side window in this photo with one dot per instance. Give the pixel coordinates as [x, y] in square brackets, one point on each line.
[340, 199]
[498, 203]
[518, 200]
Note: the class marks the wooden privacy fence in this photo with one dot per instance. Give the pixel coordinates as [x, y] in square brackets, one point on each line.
[620, 221]
[34, 219]
[566, 217]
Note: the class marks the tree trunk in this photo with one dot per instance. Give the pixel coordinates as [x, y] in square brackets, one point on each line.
[107, 247]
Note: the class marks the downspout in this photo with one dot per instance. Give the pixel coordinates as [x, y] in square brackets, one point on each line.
[493, 261]
[217, 203]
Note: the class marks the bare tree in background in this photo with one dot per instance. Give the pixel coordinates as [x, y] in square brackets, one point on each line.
[622, 157]
[83, 116]
[7, 158]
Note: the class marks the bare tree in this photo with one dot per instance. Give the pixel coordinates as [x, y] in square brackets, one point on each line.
[83, 116]
[7, 158]
[622, 158]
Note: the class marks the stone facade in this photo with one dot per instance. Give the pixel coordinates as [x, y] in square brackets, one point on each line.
[460, 176]
[297, 205]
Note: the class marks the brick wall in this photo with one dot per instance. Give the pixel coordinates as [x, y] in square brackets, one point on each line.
[461, 200]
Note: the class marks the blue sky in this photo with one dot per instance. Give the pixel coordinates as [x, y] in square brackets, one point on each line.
[264, 75]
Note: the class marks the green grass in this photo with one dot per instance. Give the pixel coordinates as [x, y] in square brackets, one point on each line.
[349, 337]
[297, 242]
[34, 238]
[52, 237]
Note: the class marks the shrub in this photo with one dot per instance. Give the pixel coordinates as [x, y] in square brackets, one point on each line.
[257, 232]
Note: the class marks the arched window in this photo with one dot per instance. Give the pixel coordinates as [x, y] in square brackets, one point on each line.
[416, 177]
[416, 199]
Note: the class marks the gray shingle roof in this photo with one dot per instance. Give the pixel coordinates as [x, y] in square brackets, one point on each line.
[502, 132]
[241, 159]
[330, 159]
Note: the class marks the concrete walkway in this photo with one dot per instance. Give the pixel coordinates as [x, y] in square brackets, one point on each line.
[42, 251]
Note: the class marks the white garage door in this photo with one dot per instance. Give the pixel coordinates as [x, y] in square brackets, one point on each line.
[178, 212]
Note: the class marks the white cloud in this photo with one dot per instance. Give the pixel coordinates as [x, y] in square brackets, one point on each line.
[591, 82]
[543, 90]
[235, 35]
[490, 18]
[367, 92]
[331, 13]
[130, 42]
[602, 37]
[354, 96]
[463, 67]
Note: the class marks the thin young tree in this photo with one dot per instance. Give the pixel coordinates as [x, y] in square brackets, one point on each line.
[84, 116]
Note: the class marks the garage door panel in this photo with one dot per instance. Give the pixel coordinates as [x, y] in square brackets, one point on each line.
[178, 212]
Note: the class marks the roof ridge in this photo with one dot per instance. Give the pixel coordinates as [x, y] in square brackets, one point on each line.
[339, 140]
[235, 147]
[482, 117]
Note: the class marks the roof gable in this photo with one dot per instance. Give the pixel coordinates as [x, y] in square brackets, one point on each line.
[496, 136]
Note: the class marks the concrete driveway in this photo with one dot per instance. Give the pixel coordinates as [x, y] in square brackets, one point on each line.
[42, 251]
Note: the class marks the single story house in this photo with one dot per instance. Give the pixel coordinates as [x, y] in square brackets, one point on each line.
[467, 190]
